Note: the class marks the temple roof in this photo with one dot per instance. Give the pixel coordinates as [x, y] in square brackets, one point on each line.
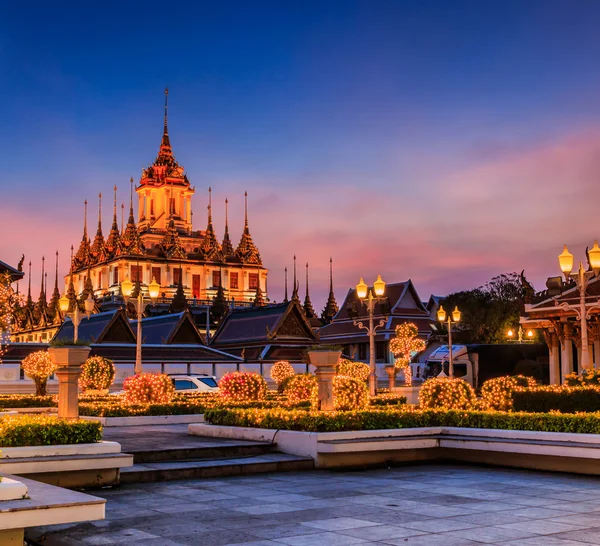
[168, 329]
[15, 274]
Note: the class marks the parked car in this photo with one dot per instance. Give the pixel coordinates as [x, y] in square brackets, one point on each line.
[194, 383]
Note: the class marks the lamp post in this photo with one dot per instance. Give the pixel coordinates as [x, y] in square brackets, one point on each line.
[455, 316]
[76, 316]
[140, 305]
[511, 334]
[365, 294]
[581, 278]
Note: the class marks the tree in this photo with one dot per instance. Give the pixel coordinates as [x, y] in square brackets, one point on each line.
[487, 311]
[39, 366]
[403, 345]
[9, 301]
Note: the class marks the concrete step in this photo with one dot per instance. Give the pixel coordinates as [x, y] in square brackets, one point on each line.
[210, 468]
[207, 451]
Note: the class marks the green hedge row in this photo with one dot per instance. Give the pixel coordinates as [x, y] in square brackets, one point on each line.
[390, 419]
[566, 400]
[41, 430]
[122, 410]
[27, 401]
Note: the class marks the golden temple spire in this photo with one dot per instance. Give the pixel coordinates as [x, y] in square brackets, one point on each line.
[331, 307]
[165, 145]
[113, 239]
[285, 297]
[246, 250]
[308, 308]
[227, 247]
[295, 295]
[98, 248]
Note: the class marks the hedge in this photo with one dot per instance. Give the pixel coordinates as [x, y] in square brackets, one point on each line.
[391, 419]
[562, 399]
[41, 430]
[387, 400]
[27, 401]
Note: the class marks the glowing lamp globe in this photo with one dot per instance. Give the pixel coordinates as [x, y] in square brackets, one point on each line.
[126, 288]
[529, 333]
[510, 333]
[594, 256]
[89, 304]
[456, 314]
[153, 289]
[565, 260]
[63, 304]
[441, 314]
[379, 286]
[361, 289]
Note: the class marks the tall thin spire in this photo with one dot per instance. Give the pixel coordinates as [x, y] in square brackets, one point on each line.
[29, 303]
[85, 235]
[83, 253]
[285, 297]
[246, 229]
[246, 250]
[295, 296]
[227, 247]
[122, 217]
[42, 295]
[113, 239]
[308, 308]
[165, 144]
[53, 306]
[210, 245]
[331, 307]
[98, 247]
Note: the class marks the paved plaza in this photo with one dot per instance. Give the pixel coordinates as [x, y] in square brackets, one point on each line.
[414, 506]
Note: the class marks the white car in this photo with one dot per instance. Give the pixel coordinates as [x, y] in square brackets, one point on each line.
[194, 383]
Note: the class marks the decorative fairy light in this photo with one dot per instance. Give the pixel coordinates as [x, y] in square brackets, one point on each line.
[301, 387]
[9, 303]
[39, 366]
[496, 393]
[403, 345]
[349, 393]
[282, 370]
[242, 386]
[97, 373]
[148, 388]
[349, 368]
[447, 393]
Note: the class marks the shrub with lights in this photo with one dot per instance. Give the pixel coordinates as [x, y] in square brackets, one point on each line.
[497, 393]
[148, 388]
[280, 371]
[587, 378]
[403, 345]
[349, 393]
[97, 373]
[447, 393]
[301, 387]
[39, 367]
[349, 368]
[242, 387]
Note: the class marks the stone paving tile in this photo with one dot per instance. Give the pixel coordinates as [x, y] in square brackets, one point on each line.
[267, 508]
[431, 540]
[588, 536]
[440, 525]
[543, 541]
[322, 539]
[338, 524]
[287, 530]
[381, 532]
[490, 535]
[541, 527]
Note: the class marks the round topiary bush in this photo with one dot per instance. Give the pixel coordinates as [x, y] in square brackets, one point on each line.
[349, 393]
[300, 388]
[280, 371]
[148, 388]
[242, 387]
[349, 368]
[496, 393]
[97, 373]
[446, 393]
[39, 366]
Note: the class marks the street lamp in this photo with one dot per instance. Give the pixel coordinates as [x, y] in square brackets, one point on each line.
[140, 305]
[581, 278]
[76, 316]
[511, 335]
[368, 299]
[455, 316]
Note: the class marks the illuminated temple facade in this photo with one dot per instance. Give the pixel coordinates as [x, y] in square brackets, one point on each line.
[163, 245]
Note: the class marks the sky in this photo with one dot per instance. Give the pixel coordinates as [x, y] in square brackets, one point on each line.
[442, 141]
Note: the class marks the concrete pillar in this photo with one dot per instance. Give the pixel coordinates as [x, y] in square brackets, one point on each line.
[391, 373]
[554, 356]
[68, 361]
[596, 351]
[566, 356]
[325, 363]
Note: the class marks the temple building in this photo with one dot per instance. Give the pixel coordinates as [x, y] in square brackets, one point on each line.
[163, 245]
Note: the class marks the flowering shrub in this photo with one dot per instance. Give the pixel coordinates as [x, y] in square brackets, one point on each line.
[446, 393]
[39, 367]
[242, 386]
[280, 371]
[358, 370]
[587, 378]
[301, 387]
[497, 393]
[97, 373]
[349, 393]
[148, 388]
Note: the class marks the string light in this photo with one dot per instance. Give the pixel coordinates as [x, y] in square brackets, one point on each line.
[349, 368]
[447, 393]
[301, 387]
[97, 373]
[349, 393]
[148, 388]
[496, 393]
[403, 345]
[39, 366]
[242, 386]
[281, 370]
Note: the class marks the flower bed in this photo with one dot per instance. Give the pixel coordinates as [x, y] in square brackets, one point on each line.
[556, 398]
[42, 430]
[312, 421]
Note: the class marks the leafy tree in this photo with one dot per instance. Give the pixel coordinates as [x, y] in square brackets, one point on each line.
[9, 301]
[487, 311]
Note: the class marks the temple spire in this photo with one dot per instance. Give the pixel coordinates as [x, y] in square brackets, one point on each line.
[29, 300]
[98, 247]
[166, 143]
[308, 308]
[295, 296]
[113, 239]
[83, 253]
[247, 251]
[227, 247]
[53, 305]
[285, 297]
[331, 307]
[42, 293]
[210, 245]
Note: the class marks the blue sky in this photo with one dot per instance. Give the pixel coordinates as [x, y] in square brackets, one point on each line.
[443, 141]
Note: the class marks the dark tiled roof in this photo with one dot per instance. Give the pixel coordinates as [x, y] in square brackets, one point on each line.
[15, 274]
[162, 353]
[165, 328]
[110, 326]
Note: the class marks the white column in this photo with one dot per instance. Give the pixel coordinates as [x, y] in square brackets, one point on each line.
[566, 356]
[554, 360]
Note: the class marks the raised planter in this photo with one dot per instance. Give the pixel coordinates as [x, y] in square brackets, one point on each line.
[147, 420]
[98, 448]
[325, 362]
[68, 361]
[12, 490]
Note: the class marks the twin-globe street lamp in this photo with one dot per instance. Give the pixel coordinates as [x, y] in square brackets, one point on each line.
[366, 297]
[140, 305]
[455, 316]
[76, 316]
[581, 278]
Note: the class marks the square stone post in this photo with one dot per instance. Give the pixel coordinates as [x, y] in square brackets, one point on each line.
[566, 356]
[391, 373]
[68, 361]
[325, 362]
[554, 356]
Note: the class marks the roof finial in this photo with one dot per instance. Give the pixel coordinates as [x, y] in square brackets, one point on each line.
[100, 213]
[209, 205]
[42, 290]
[246, 210]
[29, 300]
[115, 204]
[122, 216]
[331, 308]
[331, 274]
[166, 132]
[285, 297]
[85, 219]
[306, 279]
[226, 213]
[56, 273]
[295, 295]
[71, 268]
